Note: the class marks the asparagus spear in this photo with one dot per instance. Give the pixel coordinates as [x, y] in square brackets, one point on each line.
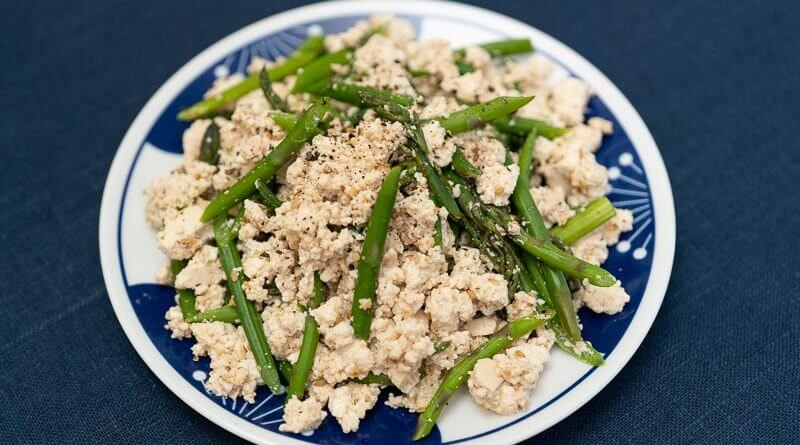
[186, 297]
[500, 48]
[479, 114]
[209, 148]
[594, 215]
[321, 68]
[372, 254]
[458, 374]
[272, 97]
[522, 126]
[301, 132]
[284, 120]
[308, 348]
[526, 208]
[267, 196]
[463, 167]
[226, 314]
[250, 319]
[352, 94]
[305, 53]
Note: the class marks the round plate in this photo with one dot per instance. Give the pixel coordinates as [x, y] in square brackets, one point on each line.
[152, 147]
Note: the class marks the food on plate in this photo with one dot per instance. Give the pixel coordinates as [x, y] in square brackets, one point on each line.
[374, 211]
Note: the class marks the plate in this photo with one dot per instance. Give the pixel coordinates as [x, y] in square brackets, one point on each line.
[152, 147]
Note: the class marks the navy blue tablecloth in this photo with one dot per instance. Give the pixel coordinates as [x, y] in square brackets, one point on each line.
[717, 83]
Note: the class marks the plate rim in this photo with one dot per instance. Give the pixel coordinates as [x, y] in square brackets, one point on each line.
[117, 179]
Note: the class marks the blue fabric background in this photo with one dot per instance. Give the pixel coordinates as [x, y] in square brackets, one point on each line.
[716, 82]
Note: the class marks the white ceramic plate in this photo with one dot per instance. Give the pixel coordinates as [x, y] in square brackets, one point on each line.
[151, 147]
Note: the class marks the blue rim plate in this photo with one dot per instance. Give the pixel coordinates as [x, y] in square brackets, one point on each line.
[152, 147]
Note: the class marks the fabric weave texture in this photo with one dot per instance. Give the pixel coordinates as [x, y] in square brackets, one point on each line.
[716, 82]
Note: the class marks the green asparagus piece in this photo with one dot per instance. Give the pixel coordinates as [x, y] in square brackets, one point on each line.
[460, 372]
[437, 234]
[272, 97]
[321, 69]
[372, 254]
[267, 196]
[504, 47]
[534, 224]
[305, 53]
[374, 379]
[508, 47]
[250, 319]
[301, 132]
[440, 195]
[496, 49]
[587, 354]
[408, 174]
[441, 346]
[385, 107]
[351, 94]
[226, 314]
[463, 167]
[585, 221]
[186, 297]
[522, 126]
[285, 369]
[284, 120]
[209, 147]
[308, 348]
[477, 115]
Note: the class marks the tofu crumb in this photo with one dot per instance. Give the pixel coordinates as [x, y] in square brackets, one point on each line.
[302, 416]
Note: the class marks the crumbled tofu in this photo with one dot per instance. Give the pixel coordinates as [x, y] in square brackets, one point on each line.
[349, 404]
[380, 64]
[234, 372]
[302, 416]
[164, 274]
[400, 347]
[459, 344]
[528, 76]
[337, 365]
[180, 329]
[439, 106]
[496, 183]
[524, 303]
[568, 163]
[607, 300]
[201, 272]
[181, 188]
[604, 125]
[417, 398]
[440, 150]
[482, 326]
[503, 383]
[551, 202]
[183, 233]
[448, 308]
[283, 326]
[478, 57]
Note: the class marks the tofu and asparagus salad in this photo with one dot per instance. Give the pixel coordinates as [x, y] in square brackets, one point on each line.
[377, 212]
